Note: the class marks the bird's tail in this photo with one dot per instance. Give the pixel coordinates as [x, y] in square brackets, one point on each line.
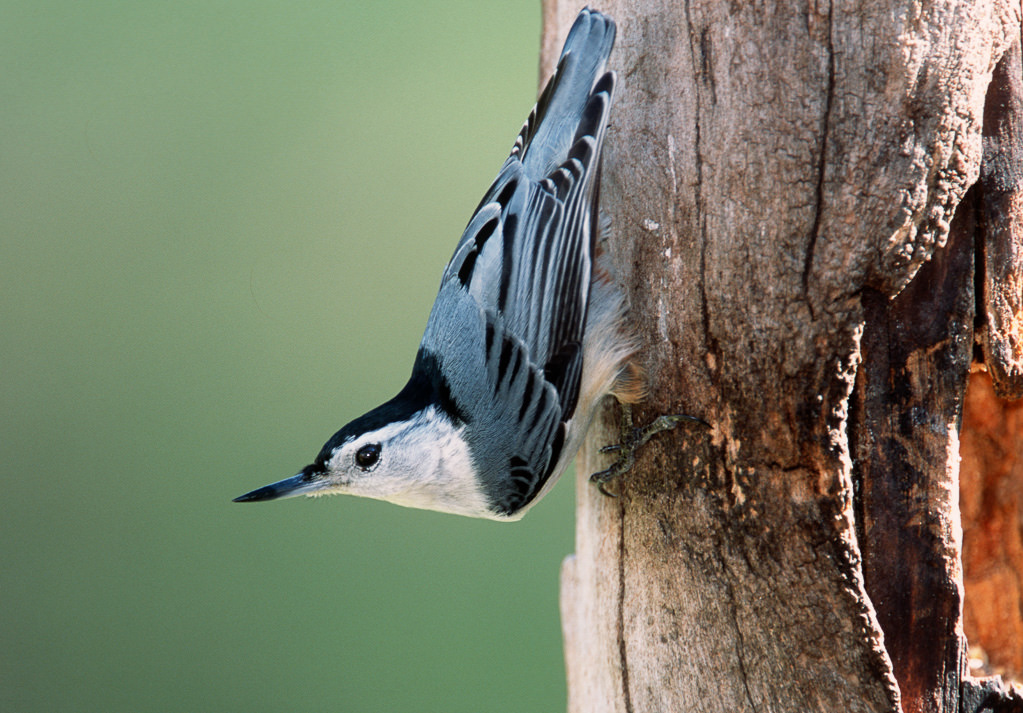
[566, 108]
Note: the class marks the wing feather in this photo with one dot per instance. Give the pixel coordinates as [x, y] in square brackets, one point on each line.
[510, 317]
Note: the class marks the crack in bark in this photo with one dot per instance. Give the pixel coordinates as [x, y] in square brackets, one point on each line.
[622, 652]
[739, 641]
[698, 191]
[822, 162]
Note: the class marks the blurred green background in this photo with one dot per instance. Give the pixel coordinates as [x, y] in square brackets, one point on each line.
[222, 225]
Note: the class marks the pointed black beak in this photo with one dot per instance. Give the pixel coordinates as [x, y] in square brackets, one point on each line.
[309, 480]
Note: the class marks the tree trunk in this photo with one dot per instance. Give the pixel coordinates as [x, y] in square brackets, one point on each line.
[776, 176]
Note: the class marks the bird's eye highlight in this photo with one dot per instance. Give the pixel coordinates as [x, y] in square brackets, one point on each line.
[367, 456]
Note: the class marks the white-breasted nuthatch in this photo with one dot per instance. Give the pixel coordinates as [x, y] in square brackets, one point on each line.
[526, 336]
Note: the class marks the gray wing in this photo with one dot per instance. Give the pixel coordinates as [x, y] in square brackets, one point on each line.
[509, 321]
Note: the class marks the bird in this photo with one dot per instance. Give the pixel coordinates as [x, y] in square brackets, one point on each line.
[526, 337]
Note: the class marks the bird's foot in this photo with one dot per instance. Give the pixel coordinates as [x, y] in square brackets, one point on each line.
[632, 439]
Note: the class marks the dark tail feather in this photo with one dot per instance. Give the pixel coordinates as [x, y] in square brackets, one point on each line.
[564, 112]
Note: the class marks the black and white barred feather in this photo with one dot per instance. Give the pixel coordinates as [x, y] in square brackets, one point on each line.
[518, 286]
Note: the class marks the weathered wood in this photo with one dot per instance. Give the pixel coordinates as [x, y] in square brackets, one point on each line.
[770, 167]
[992, 486]
[991, 695]
[1001, 226]
[915, 358]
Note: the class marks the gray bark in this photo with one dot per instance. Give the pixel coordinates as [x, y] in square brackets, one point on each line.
[775, 174]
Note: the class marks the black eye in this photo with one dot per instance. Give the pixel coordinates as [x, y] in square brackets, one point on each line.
[367, 456]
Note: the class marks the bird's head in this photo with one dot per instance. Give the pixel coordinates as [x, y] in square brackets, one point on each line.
[417, 459]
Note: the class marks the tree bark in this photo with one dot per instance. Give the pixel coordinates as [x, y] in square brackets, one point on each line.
[776, 175]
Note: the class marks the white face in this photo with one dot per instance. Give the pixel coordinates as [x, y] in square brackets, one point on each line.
[422, 463]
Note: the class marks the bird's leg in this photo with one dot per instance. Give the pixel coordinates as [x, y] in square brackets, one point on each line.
[632, 439]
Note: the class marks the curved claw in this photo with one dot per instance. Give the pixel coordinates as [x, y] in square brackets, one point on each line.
[602, 478]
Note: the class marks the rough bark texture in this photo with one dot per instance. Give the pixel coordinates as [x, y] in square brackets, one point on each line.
[1001, 226]
[775, 173]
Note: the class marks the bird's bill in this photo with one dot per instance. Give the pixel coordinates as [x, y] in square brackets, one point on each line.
[301, 484]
